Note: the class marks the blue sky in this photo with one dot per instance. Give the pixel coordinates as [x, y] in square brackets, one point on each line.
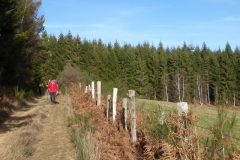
[134, 22]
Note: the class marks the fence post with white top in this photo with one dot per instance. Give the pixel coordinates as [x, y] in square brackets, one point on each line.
[98, 93]
[89, 88]
[182, 108]
[93, 90]
[114, 107]
[80, 86]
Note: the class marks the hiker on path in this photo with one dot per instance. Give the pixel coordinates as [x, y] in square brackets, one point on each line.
[53, 89]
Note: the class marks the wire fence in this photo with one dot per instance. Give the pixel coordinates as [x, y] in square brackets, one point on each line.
[205, 128]
[157, 112]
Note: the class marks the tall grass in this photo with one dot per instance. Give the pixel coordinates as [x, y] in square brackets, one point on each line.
[150, 109]
[81, 136]
[81, 129]
[21, 94]
[220, 129]
[221, 142]
[206, 116]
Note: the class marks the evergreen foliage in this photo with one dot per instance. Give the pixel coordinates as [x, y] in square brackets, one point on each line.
[186, 73]
[20, 26]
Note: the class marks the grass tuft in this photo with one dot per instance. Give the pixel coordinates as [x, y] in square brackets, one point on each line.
[81, 129]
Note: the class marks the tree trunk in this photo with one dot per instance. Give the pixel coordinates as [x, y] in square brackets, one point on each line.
[166, 92]
[177, 82]
[199, 86]
[183, 90]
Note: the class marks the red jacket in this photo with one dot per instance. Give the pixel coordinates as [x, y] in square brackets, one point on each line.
[52, 86]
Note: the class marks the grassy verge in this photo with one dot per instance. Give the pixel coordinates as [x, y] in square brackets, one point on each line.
[81, 130]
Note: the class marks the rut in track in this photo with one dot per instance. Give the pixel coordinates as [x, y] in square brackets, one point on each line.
[52, 140]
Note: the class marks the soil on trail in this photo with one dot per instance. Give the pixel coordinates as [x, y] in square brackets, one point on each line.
[110, 139]
[52, 140]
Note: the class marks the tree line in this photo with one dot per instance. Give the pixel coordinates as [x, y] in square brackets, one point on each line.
[187, 73]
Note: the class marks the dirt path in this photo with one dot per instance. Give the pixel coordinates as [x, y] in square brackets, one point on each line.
[52, 140]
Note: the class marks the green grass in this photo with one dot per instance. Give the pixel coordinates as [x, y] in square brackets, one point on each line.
[206, 116]
[81, 130]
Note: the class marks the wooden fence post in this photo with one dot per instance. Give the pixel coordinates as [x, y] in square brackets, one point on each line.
[108, 105]
[80, 86]
[182, 108]
[93, 90]
[89, 88]
[86, 89]
[131, 94]
[161, 114]
[98, 93]
[161, 118]
[125, 113]
[114, 107]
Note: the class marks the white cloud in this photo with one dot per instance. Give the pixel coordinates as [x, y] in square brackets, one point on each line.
[56, 25]
[127, 12]
[227, 19]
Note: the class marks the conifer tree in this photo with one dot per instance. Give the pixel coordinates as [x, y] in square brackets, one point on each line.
[163, 72]
[172, 66]
[101, 53]
[215, 78]
[228, 78]
[77, 50]
[19, 28]
[113, 67]
[237, 73]
[141, 78]
[205, 54]
[198, 76]
[153, 73]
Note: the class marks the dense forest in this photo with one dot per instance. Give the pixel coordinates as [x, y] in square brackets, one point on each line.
[189, 73]
[20, 46]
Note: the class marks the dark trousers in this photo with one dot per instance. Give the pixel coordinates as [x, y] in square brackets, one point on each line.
[53, 97]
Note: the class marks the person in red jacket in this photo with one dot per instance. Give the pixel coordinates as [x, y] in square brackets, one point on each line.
[53, 89]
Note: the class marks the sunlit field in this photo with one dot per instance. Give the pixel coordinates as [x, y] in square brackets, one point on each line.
[206, 116]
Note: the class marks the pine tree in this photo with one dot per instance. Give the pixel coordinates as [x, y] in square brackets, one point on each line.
[77, 50]
[140, 77]
[20, 26]
[228, 77]
[172, 66]
[237, 73]
[214, 78]
[163, 79]
[113, 67]
[197, 62]
[205, 54]
[153, 73]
